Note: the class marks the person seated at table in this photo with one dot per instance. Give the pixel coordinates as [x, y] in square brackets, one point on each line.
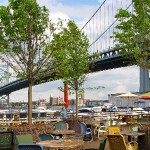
[63, 113]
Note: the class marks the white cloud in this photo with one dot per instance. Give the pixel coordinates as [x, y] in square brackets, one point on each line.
[55, 16]
[119, 80]
[80, 13]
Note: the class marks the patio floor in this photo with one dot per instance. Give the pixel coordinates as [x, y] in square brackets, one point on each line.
[96, 142]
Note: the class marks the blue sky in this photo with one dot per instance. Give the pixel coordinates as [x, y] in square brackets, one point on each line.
[78, 2]
[115, 80]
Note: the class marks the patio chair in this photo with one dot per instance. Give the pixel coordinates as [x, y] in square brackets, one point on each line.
[59, 125]
[57, 114]
[144, 141]
[135, 127]
[24, 139]
[30, 147]
[101, 146]
[3, 128]
[86, 132]
[44, 137]
[100, 129]
[77, 128]
[113, 129]
[6, 140]
[65, 126]
[142, 120]
[117, 142]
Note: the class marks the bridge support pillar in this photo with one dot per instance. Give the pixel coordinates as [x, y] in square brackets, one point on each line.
[5, 98]
[144, 80]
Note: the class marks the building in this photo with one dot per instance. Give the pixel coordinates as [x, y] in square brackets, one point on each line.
[127, 102]
[56, 101]
[94, 103]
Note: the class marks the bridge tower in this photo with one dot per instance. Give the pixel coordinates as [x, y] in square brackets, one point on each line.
[144, 80]
[4, 79]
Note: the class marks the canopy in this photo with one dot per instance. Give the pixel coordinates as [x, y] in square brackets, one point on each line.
[145, 96]
[128, 95]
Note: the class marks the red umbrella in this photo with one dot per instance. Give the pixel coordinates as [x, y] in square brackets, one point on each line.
[66, 104]
[145, 96]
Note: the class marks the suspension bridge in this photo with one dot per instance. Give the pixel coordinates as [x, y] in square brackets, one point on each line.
[99, 29]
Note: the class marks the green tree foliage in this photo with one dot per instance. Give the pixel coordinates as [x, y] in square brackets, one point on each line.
[133, 36]
[73, 56]
[81, 90]
[25, 31]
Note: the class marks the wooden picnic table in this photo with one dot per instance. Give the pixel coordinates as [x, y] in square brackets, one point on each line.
[129, 115]
[131, 134]
[9, 122]
[64, 144]
[63, 132]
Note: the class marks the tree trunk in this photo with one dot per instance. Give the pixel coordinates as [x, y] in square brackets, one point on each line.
[30, 103]
[76, 104]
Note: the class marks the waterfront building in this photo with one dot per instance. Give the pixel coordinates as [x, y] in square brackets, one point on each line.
[94, 103]
[123, 102]
[56, 101]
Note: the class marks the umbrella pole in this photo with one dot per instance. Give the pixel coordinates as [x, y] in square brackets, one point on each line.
[128, 102]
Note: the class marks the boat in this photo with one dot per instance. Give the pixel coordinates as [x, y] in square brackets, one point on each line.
[44, 112]
[85, 112]
[109, 107]
[4, 111]
[39, 109]
[138, 110]
[97, 109]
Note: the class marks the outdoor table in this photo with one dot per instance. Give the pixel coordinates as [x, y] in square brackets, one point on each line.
[131, 135]
[66, 144]
[145, 116]
[9, 122]
[128, 117]
[145, 123]
[62, 132]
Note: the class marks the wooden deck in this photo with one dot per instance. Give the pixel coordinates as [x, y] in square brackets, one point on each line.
[96, 142]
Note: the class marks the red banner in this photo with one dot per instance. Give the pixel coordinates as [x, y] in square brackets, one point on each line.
[66, 104]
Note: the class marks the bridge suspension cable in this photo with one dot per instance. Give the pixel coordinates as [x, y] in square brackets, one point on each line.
[100, 27]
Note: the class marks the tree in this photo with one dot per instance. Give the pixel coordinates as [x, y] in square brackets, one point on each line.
[81, 91]
[72, 55]
[24, 41]
[134, 33]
